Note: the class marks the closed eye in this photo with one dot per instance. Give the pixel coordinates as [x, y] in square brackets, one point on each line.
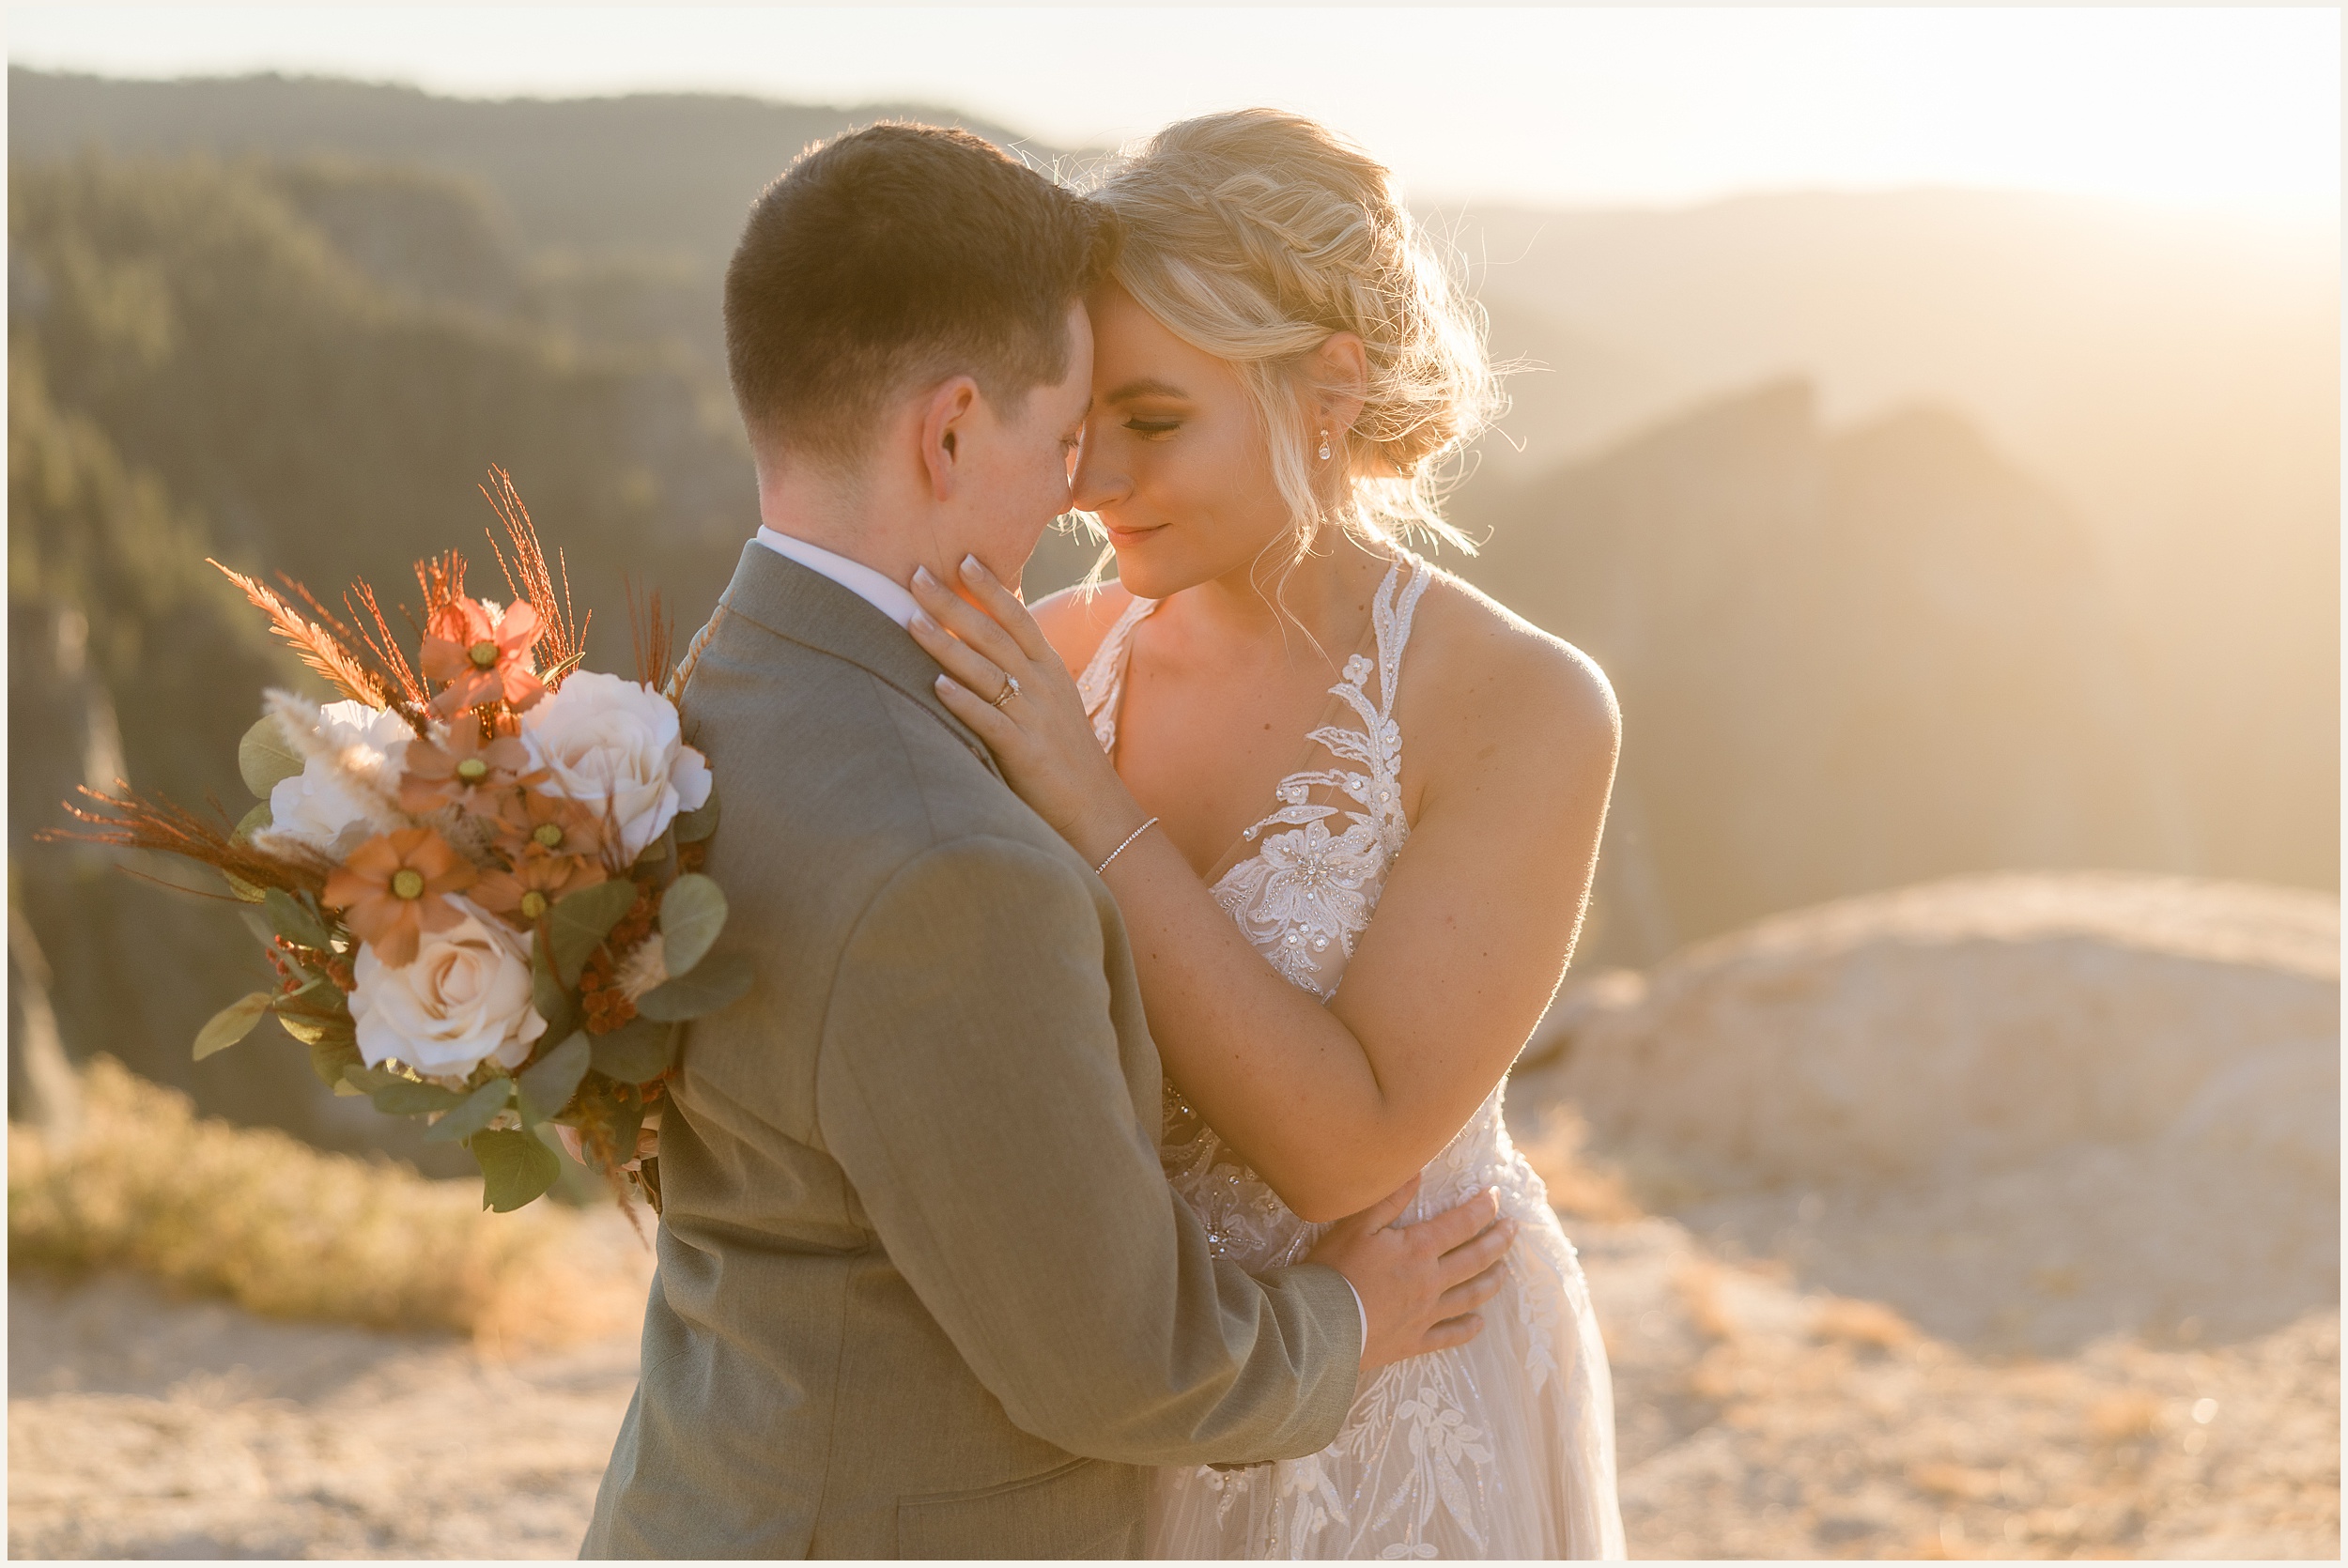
[1154, 429]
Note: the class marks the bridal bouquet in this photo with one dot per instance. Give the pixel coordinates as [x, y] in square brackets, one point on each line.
[477, 876]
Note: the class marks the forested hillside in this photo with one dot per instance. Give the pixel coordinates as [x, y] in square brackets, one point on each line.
[307, 368]
[1921, 534]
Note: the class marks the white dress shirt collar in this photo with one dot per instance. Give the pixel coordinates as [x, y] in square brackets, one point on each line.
[890, 599]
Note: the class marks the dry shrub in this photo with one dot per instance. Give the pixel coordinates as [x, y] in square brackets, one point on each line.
[284, 1229]
[1698, 1284]
[2124, 1416]
[1578, 1183]
[1956, 1482]
[1865, 1323]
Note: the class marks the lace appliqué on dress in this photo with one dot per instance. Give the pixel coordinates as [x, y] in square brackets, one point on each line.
[1309, 893]
[1423, 1466]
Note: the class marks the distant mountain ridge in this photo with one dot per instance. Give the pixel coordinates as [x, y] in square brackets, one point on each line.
[1847, 658]
[646, 172]
[1921, 534]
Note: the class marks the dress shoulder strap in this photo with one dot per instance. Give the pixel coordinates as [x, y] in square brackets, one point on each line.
[1102, 685]
[1390, 613]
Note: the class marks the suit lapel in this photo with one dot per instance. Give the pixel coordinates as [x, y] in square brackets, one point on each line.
[807, 608]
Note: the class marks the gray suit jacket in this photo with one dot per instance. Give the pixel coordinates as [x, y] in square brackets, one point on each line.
[923, 1290]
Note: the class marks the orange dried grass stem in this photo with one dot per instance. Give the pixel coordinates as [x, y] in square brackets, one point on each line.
[653, 635]
[561, 643]
[141, 821]
[385, 647]
[319, 648]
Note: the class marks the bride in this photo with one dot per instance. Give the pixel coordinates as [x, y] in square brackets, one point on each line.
[1349, 805]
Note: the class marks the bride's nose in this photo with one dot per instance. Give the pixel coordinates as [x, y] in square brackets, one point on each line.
[1099, 480]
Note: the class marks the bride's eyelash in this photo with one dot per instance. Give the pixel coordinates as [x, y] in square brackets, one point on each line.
[1152, 428]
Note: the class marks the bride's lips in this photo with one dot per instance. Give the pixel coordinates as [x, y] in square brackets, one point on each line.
[1129, 535]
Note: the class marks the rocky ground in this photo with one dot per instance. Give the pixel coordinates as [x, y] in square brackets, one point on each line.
[1993, 1220]
[1755, 1419]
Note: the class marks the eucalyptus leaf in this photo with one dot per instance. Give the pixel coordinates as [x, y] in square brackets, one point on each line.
[473, 1114]
[627, 1120]
[717, 982]
[367, 1080]
[231, 1024]
[693, 827]
[293, 920]
[548, 1085]
[331, 1058]
[692, 912]
[657, 852]
[405, 1097]
[319, 1028]
[313, 987]
[265, 757]
[253, 821]
[516, 1169]
[636, 1052]
[549, 998]
[581, 920]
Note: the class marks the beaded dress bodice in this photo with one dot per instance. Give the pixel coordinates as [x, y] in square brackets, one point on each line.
[1500, 1447]
[1303, 898]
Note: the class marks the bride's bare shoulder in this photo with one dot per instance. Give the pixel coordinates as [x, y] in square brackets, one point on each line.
[1489, 685]
[1074, 621]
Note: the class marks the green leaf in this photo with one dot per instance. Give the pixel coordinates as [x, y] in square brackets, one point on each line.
[473, 1114]
[254, 820]
[367, 1080]
[581, 920]
[231, 1024]
[692, 912]
[516, 1169]
[717, 982]
[330, 1058]
[627, 1120]
[657, 852]
[315, 1029]
[548, 1085]
[263, 756]
[313, 988]
[291, 919]
[693, 827]
[636, 1053]
[405, 1097]
[317, 1014]
[549, 998]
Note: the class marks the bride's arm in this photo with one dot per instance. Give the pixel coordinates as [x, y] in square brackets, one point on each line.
[1336, 1106]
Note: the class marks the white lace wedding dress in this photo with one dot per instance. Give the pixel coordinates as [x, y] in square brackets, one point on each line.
[1503, 1448]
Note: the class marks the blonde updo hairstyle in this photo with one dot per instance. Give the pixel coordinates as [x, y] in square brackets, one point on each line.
[1255, 236]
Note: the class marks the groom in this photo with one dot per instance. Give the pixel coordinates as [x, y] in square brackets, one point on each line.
[923, 1290]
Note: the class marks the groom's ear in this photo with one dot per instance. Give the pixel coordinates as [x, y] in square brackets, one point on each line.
[945, 426]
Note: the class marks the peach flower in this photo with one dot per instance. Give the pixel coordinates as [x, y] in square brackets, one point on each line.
[393, 889]
[483, 654]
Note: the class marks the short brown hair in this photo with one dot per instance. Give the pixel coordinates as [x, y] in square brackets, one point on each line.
[895, 253]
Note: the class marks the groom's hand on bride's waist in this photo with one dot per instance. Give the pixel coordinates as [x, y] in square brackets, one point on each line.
[1419, 1285]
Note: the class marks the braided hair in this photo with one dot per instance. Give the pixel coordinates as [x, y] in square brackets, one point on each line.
[1257, 234]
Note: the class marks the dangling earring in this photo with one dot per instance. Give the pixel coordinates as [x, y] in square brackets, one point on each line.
[1324, 446]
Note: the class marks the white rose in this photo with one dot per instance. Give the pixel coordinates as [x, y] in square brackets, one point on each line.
[613, 746]
[318, 804]
[466, 999]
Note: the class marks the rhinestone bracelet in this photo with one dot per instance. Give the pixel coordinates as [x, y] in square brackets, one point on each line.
[1102, 869]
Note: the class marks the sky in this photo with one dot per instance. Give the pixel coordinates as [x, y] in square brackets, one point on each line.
[2223, 108]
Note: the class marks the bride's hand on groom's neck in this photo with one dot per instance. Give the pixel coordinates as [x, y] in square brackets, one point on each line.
[1038, 729]
[1420, 1285]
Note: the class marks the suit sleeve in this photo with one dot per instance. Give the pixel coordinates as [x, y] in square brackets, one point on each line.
[971, 1085]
